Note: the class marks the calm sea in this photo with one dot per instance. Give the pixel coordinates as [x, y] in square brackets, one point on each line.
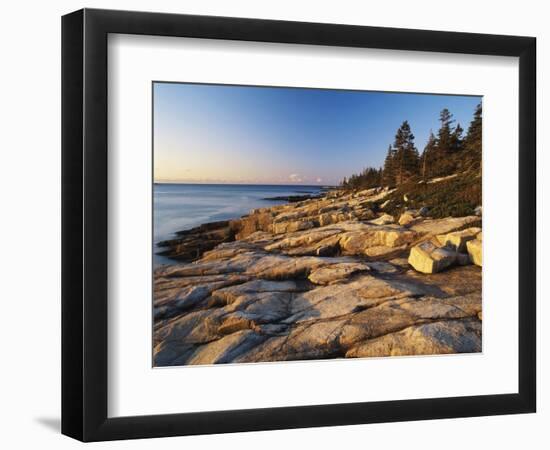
[183, 206]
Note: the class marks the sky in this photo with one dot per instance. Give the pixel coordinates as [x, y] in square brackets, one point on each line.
[263, 135]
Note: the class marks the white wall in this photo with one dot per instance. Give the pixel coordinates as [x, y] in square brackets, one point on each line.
[30, 187]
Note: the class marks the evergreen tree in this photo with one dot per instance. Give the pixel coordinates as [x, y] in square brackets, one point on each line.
[443, 163]
[457, 141]
[429, 156]
[445, 154]
[388, 172]
[444, 135]
[406, 156]
[472, 142]
[370, 177]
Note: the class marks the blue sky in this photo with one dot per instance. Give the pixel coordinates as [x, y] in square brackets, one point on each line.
[262, 135]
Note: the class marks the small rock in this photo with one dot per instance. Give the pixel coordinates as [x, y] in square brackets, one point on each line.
[406, 219]
[478, 211]
[384, 219]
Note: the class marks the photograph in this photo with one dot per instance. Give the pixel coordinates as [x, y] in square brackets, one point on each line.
[296, 224]
[263, 225]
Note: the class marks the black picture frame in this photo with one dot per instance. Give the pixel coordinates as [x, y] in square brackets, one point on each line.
[84, 224]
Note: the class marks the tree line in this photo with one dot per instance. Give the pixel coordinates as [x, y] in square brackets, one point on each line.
[446, 153]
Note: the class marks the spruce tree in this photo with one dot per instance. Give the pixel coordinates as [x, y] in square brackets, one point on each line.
[472, 142]
[457, 141]
[406, 156]
[429, 156]
[388, 172]
[442, 164]
[444, 135]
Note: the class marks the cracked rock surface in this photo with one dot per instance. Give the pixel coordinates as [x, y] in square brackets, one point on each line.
[322, 278]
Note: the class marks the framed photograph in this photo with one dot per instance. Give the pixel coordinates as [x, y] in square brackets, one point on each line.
[273, 224]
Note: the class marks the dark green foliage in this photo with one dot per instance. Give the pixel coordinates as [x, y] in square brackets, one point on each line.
[388, 172]
[450, 152]
[428, 157]
[370, 177]
[447, 153]
[457, 140]
[406, 164]
[440, 161]
[445, 133]
[472, 143]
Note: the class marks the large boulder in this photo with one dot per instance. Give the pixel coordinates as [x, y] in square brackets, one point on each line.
[360, 241]
[429, 258]
[457, 240]
[474, 248]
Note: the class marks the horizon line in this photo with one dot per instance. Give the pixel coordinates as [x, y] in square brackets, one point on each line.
[240, 183]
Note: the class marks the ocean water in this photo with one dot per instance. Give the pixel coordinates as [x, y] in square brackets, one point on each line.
[179, 207]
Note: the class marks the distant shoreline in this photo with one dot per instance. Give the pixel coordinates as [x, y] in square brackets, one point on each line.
[262, 196]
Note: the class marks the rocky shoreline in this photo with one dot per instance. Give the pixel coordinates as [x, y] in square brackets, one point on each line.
[327, 277]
